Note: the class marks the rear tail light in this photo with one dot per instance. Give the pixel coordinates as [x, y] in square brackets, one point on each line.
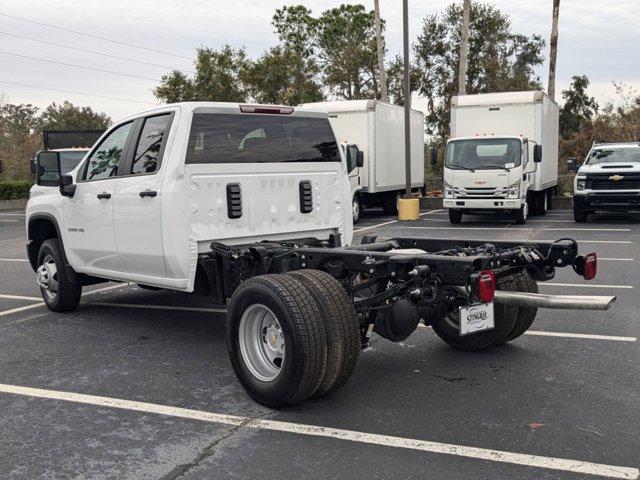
[486, 286]
[590, 266]
[274, 110]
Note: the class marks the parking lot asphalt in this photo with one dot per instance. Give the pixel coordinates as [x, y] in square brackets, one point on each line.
[137, 384]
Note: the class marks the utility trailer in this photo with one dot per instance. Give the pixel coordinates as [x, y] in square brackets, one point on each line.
[248, 205]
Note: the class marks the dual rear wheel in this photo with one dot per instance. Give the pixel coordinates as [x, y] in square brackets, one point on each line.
[510, 321]
[291, 337]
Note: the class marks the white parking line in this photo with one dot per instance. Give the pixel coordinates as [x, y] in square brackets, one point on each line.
[13, 260]
[9, 221]
[524, 229]
[538, 461]
[40, 304]
[21, 297]
[391, 221]
[616, 259]
[160, 307]
[618, 242]
[13, 214]
[581, 335]
[585, 285]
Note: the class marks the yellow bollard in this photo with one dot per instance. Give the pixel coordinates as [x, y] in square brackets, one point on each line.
[409, 209]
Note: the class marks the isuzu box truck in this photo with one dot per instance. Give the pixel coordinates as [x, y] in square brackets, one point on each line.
[502, 155]
[377, 128]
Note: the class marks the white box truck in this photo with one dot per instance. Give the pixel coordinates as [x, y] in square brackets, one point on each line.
[377, 128]
[502, 155]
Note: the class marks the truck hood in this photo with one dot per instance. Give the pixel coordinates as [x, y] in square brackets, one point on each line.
[613, 167]
[481, 178]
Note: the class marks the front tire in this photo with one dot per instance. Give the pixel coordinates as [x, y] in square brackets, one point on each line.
[276, 340]
[58, 292]
[356, 208]
[455, 216]
[520, 217]
[580, 216]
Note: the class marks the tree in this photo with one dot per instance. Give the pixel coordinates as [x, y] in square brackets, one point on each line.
[67, 116]
[578, 106]
[217, 78]
[348, 51]
[20, 138]
[282, 76]
[499, 59]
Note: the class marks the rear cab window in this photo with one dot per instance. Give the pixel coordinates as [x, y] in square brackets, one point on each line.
[150, 146]
[260, 138]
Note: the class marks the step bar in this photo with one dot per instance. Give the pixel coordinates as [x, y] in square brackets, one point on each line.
[560, 302]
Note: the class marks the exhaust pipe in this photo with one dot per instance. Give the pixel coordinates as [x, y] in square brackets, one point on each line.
[561, 302]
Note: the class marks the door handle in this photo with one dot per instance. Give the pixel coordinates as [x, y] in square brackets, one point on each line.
[104, 195]
[148, 193]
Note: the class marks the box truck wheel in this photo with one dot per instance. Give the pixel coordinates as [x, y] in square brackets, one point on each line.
[341, 327]
[356, 208]
[390, 203]
[455, 216]
[580, 216]
[521, 215]
[505, 317]
[276, 340]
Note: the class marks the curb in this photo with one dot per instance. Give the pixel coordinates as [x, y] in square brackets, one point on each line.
[19, 204]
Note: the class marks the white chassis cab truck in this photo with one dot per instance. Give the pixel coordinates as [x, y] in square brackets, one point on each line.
[608, 180]
[377, 128]
[248, 205]
[502, 155]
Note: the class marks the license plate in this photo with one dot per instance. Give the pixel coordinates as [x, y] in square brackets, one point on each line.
[476, 318]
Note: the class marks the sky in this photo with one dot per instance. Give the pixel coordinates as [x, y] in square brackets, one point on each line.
[598, 38]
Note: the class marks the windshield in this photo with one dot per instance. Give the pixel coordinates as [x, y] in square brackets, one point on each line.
[69, 160]
[238, 138]
[608, 155]
[483, 153]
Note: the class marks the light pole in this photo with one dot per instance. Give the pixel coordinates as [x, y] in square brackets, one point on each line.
[407, 97]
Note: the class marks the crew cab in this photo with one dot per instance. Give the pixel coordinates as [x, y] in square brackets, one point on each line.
[250, 206]
[608, 180]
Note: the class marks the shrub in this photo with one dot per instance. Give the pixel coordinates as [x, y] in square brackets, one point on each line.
[14, 189]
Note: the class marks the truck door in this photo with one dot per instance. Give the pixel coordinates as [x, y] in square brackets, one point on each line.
[88, 215]
[137, 221]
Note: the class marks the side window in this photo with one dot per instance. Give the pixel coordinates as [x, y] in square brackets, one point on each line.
[147, 157]
[103, 162]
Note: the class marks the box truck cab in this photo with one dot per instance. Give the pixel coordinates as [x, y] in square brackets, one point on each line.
[502, 155]
[377, 128]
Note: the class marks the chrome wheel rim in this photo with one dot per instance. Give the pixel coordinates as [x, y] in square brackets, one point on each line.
[47, 277]
[355, 209]
[262, 344]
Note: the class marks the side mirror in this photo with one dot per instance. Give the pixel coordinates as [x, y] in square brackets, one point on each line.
[355, 158]
[537, 153]
[434, 156]
[572, 166]
[67, 187]
[48, 169]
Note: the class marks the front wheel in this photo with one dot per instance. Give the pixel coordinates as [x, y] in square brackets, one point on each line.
[580, 216]
[521, 215]
[58, 292]
[276, 340]
[455, 216]
[356, 209]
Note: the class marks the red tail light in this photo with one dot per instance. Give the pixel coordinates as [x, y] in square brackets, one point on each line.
[274, 110]
[590, 266]
[486, 286]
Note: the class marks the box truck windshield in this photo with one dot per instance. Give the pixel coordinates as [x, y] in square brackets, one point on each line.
[483, 154]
